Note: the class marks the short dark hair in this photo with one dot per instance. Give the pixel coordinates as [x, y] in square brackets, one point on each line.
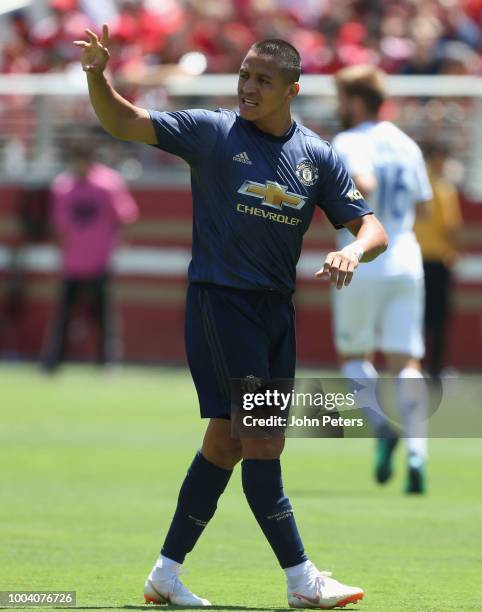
[288, 56]
[366, 82]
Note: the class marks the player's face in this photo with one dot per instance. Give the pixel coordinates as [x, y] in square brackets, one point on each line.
[264, 95]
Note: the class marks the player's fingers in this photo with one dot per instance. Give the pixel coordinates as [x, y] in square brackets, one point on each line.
[352, 266]
[330, 257]
[348, 278]
[105, 35]
[342, 269]
[324, 272]
[81, 43]
[340, 281]
[345, 262]
[335, 266]
[93, 36]
[327, 269]
[349, 273]
[329, 262]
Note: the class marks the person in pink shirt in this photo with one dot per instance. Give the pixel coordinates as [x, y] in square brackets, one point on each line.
[89, 204]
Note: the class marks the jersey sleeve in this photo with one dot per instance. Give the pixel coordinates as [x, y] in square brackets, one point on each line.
[338, 196]
[351, 149]
[190, 134]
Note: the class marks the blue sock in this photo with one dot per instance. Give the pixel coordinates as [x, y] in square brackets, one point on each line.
[196, 505]
[263, 487]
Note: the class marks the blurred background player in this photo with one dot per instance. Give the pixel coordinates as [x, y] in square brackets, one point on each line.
[382, 309]
[89, 204]
[239, 313]
[438, 234]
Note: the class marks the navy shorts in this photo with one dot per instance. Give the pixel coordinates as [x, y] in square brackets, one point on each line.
[235, 333]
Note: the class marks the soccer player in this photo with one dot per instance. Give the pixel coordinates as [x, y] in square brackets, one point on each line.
[256, 177]
[388, 169]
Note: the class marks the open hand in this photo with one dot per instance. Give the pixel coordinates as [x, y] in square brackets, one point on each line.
[339, 267]
[95, 52]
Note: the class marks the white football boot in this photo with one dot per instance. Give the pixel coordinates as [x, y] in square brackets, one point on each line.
[315, 589]
[163, 587]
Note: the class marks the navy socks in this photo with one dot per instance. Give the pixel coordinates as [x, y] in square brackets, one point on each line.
[197, 503]
[263, 487]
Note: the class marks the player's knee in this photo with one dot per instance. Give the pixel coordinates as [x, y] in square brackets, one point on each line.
[262, 448]
[224, 453]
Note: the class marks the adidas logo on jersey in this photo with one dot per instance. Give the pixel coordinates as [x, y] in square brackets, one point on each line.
[243, 158]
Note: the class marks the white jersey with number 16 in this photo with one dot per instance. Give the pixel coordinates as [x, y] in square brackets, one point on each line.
[384, 151]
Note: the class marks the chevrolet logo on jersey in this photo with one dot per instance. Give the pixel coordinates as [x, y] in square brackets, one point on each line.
[273, 194]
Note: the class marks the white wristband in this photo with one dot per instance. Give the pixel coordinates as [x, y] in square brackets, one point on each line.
[356, 250]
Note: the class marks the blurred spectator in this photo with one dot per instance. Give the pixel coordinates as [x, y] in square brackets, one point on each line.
[398, 35]
[425, 34]
[18, 50]
[52, 36]
[438, 235]
[457, 58]
[100, 12]
[89, 203]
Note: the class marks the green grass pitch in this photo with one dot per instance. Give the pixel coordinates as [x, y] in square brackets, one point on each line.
[90, 465]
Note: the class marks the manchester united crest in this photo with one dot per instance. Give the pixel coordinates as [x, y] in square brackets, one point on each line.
[307, 173]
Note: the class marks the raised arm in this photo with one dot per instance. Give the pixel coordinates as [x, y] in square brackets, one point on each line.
[116, 114]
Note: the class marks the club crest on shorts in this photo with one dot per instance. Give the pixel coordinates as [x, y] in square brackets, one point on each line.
[251, 383]
[307, 173]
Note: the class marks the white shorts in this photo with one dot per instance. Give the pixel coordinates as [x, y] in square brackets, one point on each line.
[380, 314]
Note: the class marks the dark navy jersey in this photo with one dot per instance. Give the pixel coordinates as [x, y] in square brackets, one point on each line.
[254, 195]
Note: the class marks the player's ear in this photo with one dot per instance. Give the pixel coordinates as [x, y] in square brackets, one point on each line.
[293, 90]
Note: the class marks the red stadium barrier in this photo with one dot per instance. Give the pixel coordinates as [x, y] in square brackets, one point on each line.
[150, 300]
